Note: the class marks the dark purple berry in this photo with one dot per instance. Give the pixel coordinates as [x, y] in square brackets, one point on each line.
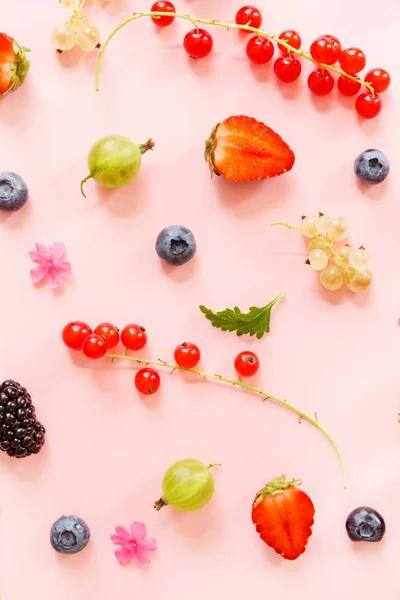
[364, 524]
[20, 433]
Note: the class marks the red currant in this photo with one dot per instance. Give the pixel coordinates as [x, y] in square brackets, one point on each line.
[246, 364]
[74, 334]
[198, 43]
[249, 15]
[187, 355]
[336, 43]
[379, 79]
[347, 86]
[163, 7]
[287, 68]
[320, 82]
[109, 333]
[292, 38]
[259, 50]
[94, 346]
[147, 381]
[323, 50]
[352, 60]
[134, 337]
[368, 106]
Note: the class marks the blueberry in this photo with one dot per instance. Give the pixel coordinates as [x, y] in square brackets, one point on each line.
[176, 245]
[372, 166]
[365, 524]
[69, 535]
[13, 191]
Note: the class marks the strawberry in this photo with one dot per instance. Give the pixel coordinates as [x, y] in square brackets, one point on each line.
[243, 149]
[14, 65]
[283, 516]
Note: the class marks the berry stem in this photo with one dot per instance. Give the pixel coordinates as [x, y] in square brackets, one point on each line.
[341, 263]
[196, 21]
[246, 386]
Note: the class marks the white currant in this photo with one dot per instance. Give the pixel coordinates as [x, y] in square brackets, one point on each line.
[318, 259]
[359, 259]
[64, 37]
[338, 229]
[331, 278]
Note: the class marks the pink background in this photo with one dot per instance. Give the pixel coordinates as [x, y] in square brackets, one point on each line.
[334, 354]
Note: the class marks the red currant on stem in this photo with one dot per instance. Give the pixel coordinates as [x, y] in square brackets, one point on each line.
[287, 68]
[379, 79]
[320, 82]
[249, 15]
[336, 43]
[147, 381]
[74, 334]
[347, 86]
[187, 355]
[352, 60]
[368, 106]
[246, 364]
[94, 346]
[259, 50]
[323, 50]
[134, 337]
[292, 38]
[198, 43]
[109, 332]
[163, 7]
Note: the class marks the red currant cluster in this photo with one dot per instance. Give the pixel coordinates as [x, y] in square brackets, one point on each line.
[326, 51]
[78, 336]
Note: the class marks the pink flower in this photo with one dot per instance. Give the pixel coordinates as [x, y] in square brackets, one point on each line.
[133, 544]
[50, 264]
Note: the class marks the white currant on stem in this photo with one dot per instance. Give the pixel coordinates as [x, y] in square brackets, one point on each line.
[196, 21]
[246, 386]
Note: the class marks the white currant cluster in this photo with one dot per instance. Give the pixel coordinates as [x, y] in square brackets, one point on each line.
[77, 31]
[336, 263]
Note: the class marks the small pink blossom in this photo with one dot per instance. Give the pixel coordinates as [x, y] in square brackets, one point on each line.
[50, 264]
[133, 544]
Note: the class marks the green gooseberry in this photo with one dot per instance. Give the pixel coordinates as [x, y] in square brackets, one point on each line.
[114, 161]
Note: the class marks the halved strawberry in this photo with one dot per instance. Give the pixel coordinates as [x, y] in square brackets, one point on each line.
[14, 65]
[283, 516]
[243, 149]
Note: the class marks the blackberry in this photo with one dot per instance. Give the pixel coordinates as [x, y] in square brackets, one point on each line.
[20, 432]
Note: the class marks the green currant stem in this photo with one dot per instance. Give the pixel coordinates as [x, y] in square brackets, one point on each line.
[246, 386]
[196, 21]
[341, 263]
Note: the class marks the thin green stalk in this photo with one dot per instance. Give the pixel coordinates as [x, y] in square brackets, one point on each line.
[340, 262]
[196, 21]
[246, 386]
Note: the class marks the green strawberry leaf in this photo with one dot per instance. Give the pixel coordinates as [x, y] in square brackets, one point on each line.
[255, 322]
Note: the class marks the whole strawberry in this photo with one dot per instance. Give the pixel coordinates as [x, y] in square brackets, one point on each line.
[243, 149]
[283, 516]
[14, 65]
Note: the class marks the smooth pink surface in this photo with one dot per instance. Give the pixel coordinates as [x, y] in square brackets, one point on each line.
[333, 354]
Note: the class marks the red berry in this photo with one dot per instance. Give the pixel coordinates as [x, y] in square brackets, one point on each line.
[320, 82]
[287, 68]
[147, 381]
[134, 337]
[187, 355]
[74, 334]
[109, 333]
[292, 38]
[347, 86]
[336, 43]
[323, 50]
[368, 106]
[352, 60]
[259, 50]
[249, 15]
[379, 79]
[163, 7]
[94, 346]
[198, 43]
[246, 364]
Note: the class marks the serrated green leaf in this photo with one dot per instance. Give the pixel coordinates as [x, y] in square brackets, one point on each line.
[255, 322]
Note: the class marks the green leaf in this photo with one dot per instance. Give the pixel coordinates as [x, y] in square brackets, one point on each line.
[255, 322]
